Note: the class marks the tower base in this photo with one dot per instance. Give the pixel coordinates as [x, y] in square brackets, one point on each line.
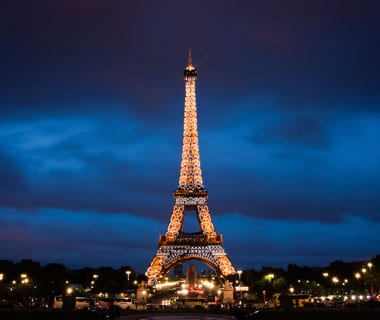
[169, 255]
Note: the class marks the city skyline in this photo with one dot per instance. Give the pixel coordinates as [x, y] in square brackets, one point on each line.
[91, 121]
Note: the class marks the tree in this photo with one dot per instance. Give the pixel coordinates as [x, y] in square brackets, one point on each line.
[54, 279]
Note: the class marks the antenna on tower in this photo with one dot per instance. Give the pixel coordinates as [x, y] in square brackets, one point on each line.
[190, 69]
[190, 59]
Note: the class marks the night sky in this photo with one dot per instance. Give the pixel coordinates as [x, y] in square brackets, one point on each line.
[91, 121]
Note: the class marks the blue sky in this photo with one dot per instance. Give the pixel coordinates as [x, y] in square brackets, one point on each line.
[91, 115]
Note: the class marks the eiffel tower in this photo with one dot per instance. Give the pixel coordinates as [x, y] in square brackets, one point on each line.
[177, 246]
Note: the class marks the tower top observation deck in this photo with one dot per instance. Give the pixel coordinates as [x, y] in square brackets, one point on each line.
[190, 70]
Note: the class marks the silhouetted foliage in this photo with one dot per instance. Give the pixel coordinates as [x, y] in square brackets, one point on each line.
[53, 279]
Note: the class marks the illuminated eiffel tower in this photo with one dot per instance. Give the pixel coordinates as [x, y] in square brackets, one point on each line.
[176, 246]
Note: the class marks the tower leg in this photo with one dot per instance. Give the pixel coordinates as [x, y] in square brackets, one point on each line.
[155, 268]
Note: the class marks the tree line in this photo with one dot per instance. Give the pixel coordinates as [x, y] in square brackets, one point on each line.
[30, 278]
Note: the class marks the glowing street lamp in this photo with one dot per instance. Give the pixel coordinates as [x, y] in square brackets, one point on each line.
[24, 278]
[335, 281]
[370, 265]
[93, 281]
[128, 273]
[358, 276]
[269, 277]
[239, 272]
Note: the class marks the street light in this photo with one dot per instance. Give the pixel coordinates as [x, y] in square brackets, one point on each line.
[239, 273]
[358, 276]
[144, 292]
[335, 280]
[270, 276]
[370, 265]
[128, 272]
[94, 277]
[24, 278]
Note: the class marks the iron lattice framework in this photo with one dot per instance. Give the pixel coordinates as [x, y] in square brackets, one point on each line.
[176, 246]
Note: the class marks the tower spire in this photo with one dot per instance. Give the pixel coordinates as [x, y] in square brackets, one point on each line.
[190, 178]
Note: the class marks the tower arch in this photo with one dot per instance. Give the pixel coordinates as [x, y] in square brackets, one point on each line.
[183, 259]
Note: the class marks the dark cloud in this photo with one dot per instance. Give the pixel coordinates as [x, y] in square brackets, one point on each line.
[12, 180]
[301, 129]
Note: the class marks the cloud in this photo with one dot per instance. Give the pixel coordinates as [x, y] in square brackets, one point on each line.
[51, 235]
[282, 178]
[278, 243]
[92, 239]
[91, 162]
[305, 161]
[12, 178]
